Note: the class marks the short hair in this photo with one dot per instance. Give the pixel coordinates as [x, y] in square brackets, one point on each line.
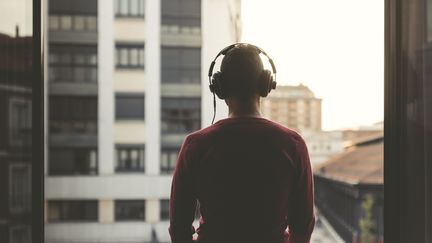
[241, 68]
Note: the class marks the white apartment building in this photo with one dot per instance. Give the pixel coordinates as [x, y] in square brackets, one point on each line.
[127, 80]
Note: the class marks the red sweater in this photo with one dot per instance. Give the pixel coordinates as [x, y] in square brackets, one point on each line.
[253, 181]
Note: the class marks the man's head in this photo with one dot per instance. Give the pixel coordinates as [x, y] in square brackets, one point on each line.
[241, 68]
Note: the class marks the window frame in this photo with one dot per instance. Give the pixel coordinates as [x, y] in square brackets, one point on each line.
[180, 118]
[61, 204]
[86, 24]
[117, 203]
[170, 150]
[65, 118]
[15, 138]
[20, 227]
[119, 117]
[28, 201]
[180, 18]
[164, 214]
[179, 66]
[75, 172]
[140, 14]
[128, 47]
[38, 125]
[129, 148]
[392, 128]
[399, 176]
[73, 51]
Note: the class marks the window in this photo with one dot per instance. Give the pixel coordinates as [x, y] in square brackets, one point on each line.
[180, 115]
[164, 209]
[168, 159]
[129, 8]
[77, 23]
[73, 161]
[130, 106]
[20, 234]
[181, 13]
[75, 6]
[129, 210]
[72, 210]
[73, 114]
[130, 158]
[19, 188]
[129, 56]
[20, 122]
[181, 65]
[408, 122]
[73, 63]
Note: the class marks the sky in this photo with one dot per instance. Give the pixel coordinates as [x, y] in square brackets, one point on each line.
[335, 47]
[12, 15]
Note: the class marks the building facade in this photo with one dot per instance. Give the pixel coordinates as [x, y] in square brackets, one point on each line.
[15, 137]
[293, 106]
[127, 80]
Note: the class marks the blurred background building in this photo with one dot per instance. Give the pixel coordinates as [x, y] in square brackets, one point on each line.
[344, 184]
[127, 80]
[15, 136]
[293, 106]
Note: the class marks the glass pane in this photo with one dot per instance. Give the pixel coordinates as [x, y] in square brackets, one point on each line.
[124, 57]
[134, 7]
[134, 52]
[141, 7]
[65, 22]
[53, 22]
[79, 59]
[124, 7]
[91, 23]
[17, 78]
[79, 23]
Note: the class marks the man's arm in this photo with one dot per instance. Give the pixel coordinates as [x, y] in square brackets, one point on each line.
[301, 214]
[182, 202]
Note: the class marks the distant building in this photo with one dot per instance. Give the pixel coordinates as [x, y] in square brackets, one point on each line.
[293, 106]
[15, 137]
[352, 134]
[343, 182]
[322, 145]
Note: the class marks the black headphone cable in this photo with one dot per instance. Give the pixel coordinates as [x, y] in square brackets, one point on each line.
[214, 104]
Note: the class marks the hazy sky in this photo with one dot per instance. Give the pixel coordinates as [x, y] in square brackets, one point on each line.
[336, 47]
[12, 14]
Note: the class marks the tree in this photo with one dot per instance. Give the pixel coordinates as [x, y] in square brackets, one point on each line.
[366, 222]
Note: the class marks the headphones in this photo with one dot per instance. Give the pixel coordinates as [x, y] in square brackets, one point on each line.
[266, 82]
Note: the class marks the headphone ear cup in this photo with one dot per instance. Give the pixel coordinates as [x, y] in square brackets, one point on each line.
[265, 83]
[217, 85]
[273, 85]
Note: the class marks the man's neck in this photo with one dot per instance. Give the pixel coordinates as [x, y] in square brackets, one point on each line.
[250, 108]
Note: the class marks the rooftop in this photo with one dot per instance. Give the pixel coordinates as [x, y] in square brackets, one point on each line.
[361, 163]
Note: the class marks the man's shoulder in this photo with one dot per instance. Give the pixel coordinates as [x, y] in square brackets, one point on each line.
[273, 127]
[284, 132]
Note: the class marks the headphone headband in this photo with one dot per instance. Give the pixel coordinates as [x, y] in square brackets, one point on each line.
[271, 84]
[228, 48]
